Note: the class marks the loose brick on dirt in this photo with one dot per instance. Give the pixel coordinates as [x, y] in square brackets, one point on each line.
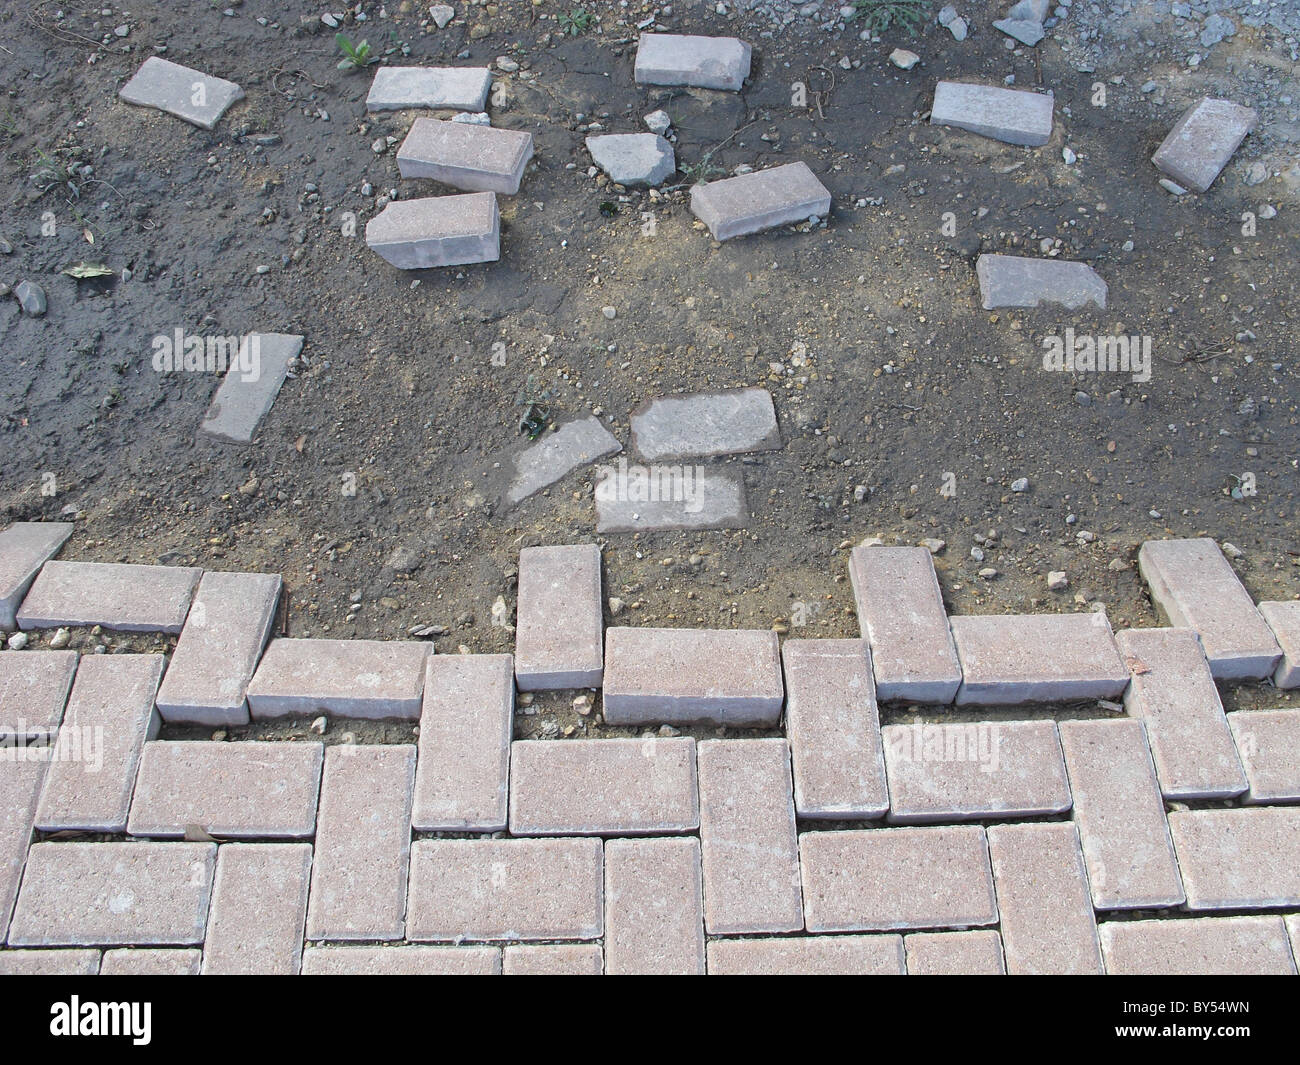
[1120, 814]
[115, 595]
[351, 678]
[165, 961]
[901, 612]
[1269, 744]
[1195, 587]
[669, 497]
[464, 745]
[25, 546]
[259, 909]
[747, 837]
[34, 689]
[220, 644]
[1019, 281]
[363, 844]
[679, 676]
[1198, 946]
[557, 454]
[1047, 921]
[437, 231]
[1174, 692]
[109, 717]
[1243, 859]
[401, 961]
[1284, 620]
[20, 788]
[465, 156]
[808, 956]
[244, 398]
[762, 199]
[506, 889]
[442, 88]
[681, 59]
[1203, 140]
[247, 790]
[200, 99]
[114, 894]
[974, 953]
[833, 725]
[733, 422]
[49, 962]
[653, 907]
[553, 959]
[559, 627]
[604, 787]
[1010, 115]
[889, 879]
[1037, 658]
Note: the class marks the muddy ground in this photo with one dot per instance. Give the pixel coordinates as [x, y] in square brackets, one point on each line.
[868, 330]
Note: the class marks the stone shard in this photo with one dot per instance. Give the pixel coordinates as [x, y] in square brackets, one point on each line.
[437, 231]
[633, 158]
[1010, 115]
[450, 88]
[25, 546]
[1025, 31]
[250, 386]
[465, 156]
[734, 422]
[1203, 140]
[1017, 281]
[198, 98]
[763, 199]
[703, 62]
[557, 454]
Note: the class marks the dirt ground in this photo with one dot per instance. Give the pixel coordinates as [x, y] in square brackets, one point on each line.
[868, 329]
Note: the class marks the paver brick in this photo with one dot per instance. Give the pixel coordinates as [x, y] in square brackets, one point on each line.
[1020, 281]
[1269, 744]
[401, 961]
[20, 788]
[653, 907]
[733, 422]
[1203, 140]
[351, 678]
[1120, 815]
[833, 725]
[961, 771]
[437, 231]
[557, 454]
[676, 676]
[559, 628]
[506, 889]
[114, 894]
[245, 397]
[1047, 921]
[659, 497]
[464, 747]
[553, 959]
[49, 962]
[25, 546]
[1195, 587]
[886, 879]
[1284, 620]
[223, 638]
[900, 610]
[1034, 658]
[259, 909]
[165, 961]
[1239, 859]
[247, 790]
[465, 156]
[974, 953]
[120, 596]
[680, 59]
[1293, 930]
[603, 787]
[449, 88]
[34, 688]
[880, 955]
[762, 199]
[1198, 946]
[363, 844]
[109, 717]
[1174, 692]
[747, 837]
[633, 158]
[1010, 115]
[198, 98]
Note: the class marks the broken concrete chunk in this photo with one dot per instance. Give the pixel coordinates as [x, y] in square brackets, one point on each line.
[707, 423]
[762, 200]
[1010, 115]
[557, 454]
[189, 94]
[438, 231]
[1203, 140]
[1025, 31]
[633, 158]
[474, 157]
[250, 386]
[631, 498]
[704, 62]
[454, 88]
[1015, 281]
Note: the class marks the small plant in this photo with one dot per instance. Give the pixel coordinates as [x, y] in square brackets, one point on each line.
[355, 56]
[880, 15]
[577, 22]
[60, 170]
[535, 418]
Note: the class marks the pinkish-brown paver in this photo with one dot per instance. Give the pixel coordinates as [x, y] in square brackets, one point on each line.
[466, 721]
[1242, 859]
[1198, 946]
[747, 837]
[603, 787]
[1284, 620]
[20, 788]
[34, 688]
[122, 596]
[246, 790]
[25, 546]
[506, 889]
[132, 961]
[259, 910]
[553, 959]
[559, 631]
[974, 953]
[833, 724]
[1269, 744]
[49, 962]
[654, 921]
[897, 878]
[1293, 930]
[401, 961]
[363, 844]
[808, 956]
[351, 678]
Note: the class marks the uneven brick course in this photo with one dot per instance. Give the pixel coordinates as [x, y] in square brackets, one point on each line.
[115, 595]
[653, 907]
[1269, 744]
[1284, 620]
[351, 678]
